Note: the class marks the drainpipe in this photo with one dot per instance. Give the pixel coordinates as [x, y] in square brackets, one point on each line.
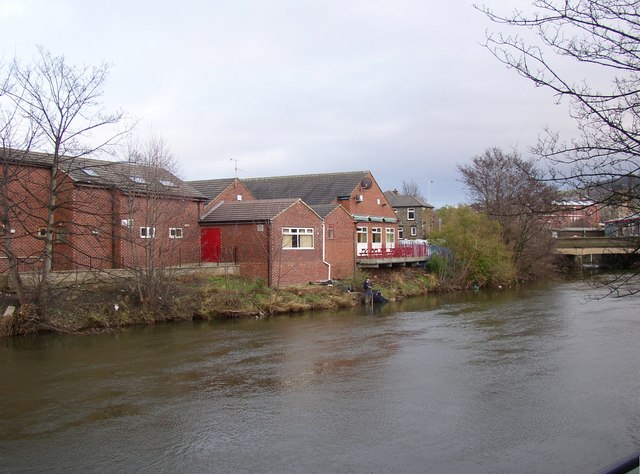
[114, 229]
[269, 252]
[324, 250]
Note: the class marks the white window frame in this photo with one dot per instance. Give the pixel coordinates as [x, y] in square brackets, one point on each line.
[391, 237]
[400, 232]
[176, 233]
[376, 235]
[147, 232]
[414, 231]
[363, 235]
[297, 238]
[411, 213]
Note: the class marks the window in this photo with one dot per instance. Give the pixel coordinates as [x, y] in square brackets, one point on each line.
[62, 235]
[391, 237]
[90, 172]
[362, 235]
[260, 228]
[411, 214]
[330, 232]
[414, 231]
[376, 235]
[138, 179]
[175, 233]
[165, 182]
[401, 232]
[297, 238]
[126, 223]
[147, 232]
[42, 232]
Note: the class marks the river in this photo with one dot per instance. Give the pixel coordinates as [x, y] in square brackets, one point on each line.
[528, 380]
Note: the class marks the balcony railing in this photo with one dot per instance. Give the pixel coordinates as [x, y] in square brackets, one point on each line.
[409, 249]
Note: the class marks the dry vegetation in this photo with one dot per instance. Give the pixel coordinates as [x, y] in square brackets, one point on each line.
[96, 308]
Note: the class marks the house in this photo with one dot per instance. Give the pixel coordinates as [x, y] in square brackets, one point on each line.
[279, 240]
[415, 217]
[108, 214]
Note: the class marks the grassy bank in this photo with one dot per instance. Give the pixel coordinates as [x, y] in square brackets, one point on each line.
[97, 308]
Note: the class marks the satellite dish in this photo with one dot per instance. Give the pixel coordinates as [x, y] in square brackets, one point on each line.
[366, 183]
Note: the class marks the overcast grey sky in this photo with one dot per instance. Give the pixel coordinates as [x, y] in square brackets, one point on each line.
[399, 87]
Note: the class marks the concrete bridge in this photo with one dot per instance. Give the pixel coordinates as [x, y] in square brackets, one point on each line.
[597, 250]
[597, 245]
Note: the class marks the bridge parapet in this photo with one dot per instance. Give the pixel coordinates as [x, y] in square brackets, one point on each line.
[597, 245]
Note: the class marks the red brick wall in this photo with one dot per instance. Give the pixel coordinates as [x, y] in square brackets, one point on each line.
[340, 251]
[259, 253]
[374, 203]
[575, 216]
[161, 214]
[296, 266]
[85, 216]
[26, 192]
[247, 246]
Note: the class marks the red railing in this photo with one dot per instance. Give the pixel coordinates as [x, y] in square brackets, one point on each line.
[419, 249]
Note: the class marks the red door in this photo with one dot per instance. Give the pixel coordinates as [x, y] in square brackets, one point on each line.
[210, 244]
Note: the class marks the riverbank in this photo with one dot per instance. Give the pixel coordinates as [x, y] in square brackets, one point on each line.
[103, 307]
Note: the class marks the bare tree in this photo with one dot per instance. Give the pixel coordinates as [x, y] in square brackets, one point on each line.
[411, 188]
[147, 232]
[585, 51]
[510, 190]
[55, 108]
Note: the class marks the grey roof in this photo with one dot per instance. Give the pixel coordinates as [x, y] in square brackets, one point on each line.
[313, 189]
[405, 200]
[212, 188]
[130, 177]
[247, 211]
[323, 210]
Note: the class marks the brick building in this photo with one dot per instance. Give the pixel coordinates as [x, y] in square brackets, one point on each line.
[574, 213]
[373, 223]
[108, 214]
[279, 240]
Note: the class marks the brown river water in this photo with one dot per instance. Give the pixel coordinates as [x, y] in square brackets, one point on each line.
[528, 380]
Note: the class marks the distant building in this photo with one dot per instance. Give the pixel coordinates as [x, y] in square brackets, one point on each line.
[574, 213]
[623, 227]
[415, 217]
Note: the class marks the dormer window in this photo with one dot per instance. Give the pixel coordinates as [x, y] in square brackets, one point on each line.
[138, 179]
[90, 172]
